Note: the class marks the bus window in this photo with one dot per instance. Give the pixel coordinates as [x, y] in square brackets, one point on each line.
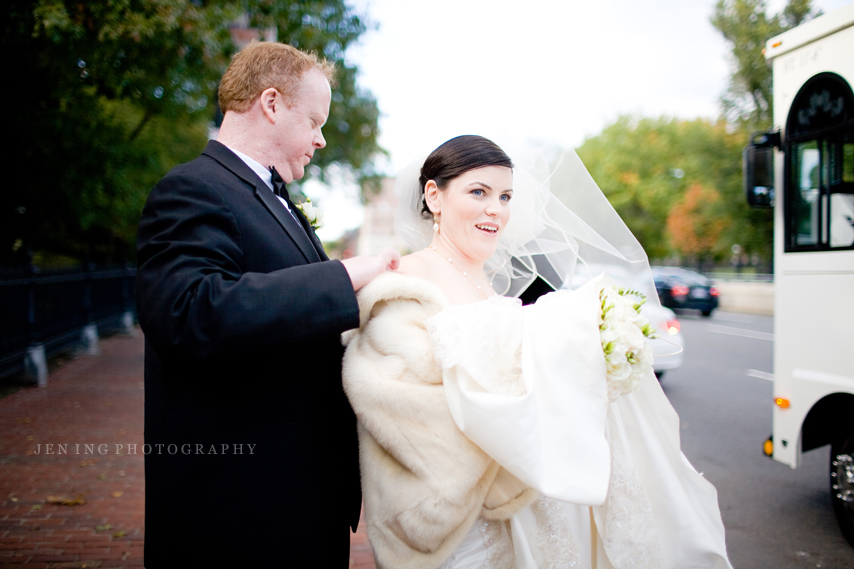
[806, 165]
[842, 193]
[820, 181]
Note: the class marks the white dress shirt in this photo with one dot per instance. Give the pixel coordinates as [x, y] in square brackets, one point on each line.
[263, 173]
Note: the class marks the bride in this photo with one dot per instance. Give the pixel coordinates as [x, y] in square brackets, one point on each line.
[491, 434]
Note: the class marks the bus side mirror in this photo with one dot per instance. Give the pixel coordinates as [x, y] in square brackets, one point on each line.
[758, 165]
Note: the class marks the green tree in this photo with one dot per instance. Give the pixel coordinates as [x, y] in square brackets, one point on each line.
[646, 166]
[746, 26]
[103, 98]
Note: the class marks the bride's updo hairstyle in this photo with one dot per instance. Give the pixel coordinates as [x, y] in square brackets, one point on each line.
[456, 157]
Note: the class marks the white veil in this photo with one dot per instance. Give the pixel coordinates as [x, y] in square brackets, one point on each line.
[557, 218]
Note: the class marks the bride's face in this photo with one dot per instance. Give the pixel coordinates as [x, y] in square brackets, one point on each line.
[473, 209]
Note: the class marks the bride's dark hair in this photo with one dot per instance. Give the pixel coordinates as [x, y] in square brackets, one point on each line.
[456, 157]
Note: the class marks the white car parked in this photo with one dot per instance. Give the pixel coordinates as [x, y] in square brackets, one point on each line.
[667, 348]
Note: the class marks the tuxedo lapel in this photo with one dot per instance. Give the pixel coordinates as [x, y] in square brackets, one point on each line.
[318, 246]
[287, 221]
[231, 161]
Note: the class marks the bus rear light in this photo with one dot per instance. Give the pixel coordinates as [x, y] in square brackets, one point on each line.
[768, 446]
[782, 402]
[714, 292]
[679, 290]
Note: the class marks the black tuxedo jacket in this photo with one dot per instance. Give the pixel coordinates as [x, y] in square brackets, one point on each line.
[252, 456]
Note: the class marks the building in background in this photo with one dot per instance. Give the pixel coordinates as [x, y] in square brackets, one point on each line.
[377, 231]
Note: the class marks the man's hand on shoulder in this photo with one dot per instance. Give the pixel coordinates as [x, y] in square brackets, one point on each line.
[364, 269]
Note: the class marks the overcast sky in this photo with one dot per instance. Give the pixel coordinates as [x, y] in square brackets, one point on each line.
[546, 72]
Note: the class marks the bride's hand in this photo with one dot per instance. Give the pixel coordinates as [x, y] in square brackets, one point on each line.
[364, 269]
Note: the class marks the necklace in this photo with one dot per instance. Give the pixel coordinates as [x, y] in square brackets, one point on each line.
[465, 274]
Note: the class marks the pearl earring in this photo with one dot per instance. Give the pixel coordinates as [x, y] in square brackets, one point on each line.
[435, 223]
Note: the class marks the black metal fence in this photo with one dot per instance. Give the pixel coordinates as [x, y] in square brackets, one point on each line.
[50, 309]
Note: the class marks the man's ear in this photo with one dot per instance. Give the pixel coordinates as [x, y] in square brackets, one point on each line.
[271, 101]
[431, 196]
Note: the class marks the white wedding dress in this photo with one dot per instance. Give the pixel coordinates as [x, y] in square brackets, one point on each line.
[527, 386]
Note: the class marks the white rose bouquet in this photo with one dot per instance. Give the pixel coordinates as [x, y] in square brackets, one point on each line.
[623, 331]
[313, 214]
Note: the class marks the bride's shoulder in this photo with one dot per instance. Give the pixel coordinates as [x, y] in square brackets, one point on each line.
[414, 277]
[395, 289]
[415, 265]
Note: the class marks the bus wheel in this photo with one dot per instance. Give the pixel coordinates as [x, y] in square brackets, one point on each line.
[842, 484]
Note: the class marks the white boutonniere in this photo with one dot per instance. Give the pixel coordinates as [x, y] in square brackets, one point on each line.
[623, 332]
[312, 213]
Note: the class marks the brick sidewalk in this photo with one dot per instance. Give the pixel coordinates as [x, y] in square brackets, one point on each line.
[91, 405]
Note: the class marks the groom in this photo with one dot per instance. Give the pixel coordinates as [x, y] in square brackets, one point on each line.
[251, 450]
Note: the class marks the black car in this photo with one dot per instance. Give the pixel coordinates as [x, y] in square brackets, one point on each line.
[681, 288]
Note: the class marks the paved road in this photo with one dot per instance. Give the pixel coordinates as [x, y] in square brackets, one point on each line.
[775, 517]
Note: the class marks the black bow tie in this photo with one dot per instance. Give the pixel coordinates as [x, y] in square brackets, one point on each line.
[279, 187]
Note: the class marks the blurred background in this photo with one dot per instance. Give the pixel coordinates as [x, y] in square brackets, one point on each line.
[658, 98]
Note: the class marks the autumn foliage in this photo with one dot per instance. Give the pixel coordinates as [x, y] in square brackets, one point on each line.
[694, 227]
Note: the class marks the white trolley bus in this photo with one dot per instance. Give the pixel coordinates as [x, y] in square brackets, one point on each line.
[809, 163]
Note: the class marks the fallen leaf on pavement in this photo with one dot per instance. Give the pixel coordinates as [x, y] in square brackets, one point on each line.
[117, 493]
[65, 501]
